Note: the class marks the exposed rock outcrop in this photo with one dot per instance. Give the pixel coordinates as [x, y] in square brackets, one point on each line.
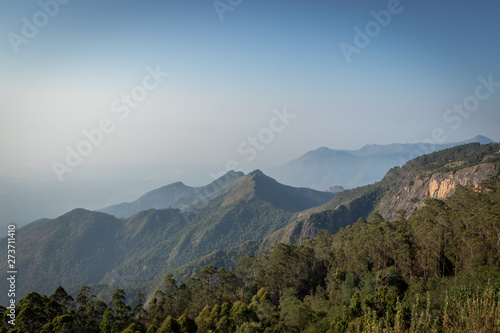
[414, 190]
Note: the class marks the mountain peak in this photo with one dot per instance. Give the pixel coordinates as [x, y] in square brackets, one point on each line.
[481, 139]
[175, 195]
[75, 214]
[257, 172]
[323, 167]
[321, 150]
[261, 187]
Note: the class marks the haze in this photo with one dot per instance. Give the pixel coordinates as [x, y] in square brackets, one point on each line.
[97, 72]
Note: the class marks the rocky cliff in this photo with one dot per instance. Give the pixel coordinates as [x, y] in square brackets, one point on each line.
[414, 189]
[407, 188]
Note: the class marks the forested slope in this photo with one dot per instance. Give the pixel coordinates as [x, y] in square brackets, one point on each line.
[401, 192]
[438, 270]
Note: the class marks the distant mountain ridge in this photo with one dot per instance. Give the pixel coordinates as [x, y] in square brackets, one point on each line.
[251, 213]
[175, 195]
[406, 188]
[85, 247]
[402, 191]
[323, 168]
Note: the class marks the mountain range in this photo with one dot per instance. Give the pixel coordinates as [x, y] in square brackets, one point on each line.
[176, 195]
[238, 214]
[323, 168]
[86, 247]
[318, 169]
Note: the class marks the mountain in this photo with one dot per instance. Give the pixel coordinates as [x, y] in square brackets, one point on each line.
[84, 247]
[77, 247]
[281, 196]
[335, 281]
[176, 195]
[322, 168]
[403, 190]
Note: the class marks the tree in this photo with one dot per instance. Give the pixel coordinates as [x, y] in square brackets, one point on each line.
[133, 328]
[202, 288]
[294, 315]
[375, 218]
[61, 296]
[240, 313]
[265, 310]
[226, 286]
[122, 312]
[108, 321]
[62, 324]
[170, 293]
[246, 273]
[139, 311]
[204, 322]
[152, 329]
[186, 324]
[32, 316]
[170, 325]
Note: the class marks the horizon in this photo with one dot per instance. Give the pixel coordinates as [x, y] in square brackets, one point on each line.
[138, 187]
[104, 100]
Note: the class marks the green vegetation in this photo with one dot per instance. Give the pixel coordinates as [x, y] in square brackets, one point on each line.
[91, 248]
[455, 158]
[436, 271]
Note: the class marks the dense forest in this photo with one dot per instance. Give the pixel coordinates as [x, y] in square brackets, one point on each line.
[437, 270]
[455, 158]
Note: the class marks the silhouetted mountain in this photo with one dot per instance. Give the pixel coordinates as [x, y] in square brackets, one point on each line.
[176, 195]
[322, 168]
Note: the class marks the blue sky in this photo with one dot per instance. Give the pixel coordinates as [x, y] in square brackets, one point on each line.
[225, 78]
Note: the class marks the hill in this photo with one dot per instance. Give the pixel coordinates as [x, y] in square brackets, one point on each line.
[176, 195]
[435, 271]
[402, 191]
[84, 247]
[322, 168]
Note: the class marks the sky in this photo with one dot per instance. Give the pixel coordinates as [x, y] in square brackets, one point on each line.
[103, 100]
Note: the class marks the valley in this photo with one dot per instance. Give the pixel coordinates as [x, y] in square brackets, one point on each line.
[251, 218]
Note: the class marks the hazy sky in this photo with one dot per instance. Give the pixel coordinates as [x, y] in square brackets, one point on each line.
[347, 73]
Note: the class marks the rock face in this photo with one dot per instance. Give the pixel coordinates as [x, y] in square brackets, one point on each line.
[405, 188]
[443, 185]
[415, 190]
[323, 167]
